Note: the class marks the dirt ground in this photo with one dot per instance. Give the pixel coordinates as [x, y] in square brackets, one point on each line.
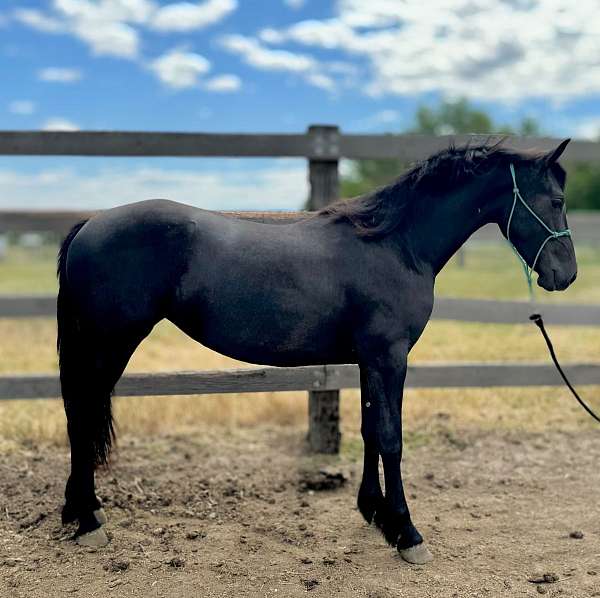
[226, 513]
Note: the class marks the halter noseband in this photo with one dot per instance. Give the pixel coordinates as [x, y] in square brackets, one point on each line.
[553, 233]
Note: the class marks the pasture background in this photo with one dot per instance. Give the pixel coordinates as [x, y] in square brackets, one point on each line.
[28, 346]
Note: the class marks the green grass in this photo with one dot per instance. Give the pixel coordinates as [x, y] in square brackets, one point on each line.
[28, 271]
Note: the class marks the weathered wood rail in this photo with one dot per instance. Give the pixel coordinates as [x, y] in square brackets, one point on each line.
[323, 146]
[320, 142]
[585, 225]
[461, 310]
[327, 378]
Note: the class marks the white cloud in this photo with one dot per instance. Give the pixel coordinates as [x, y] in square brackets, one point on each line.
[38, 20]
[485, 49]
[53, 74]
[264, 58]
[105, 26]
[59, 124]
[223, 84]
[187, 16]
[109, 39]
[113, 27]
[180, 70]
[321, 80]
[253, 53]
[22, 107]
[281, 186]
[106, 11]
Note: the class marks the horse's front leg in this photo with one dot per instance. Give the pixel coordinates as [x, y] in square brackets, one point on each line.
[370, 497]
[385, 377]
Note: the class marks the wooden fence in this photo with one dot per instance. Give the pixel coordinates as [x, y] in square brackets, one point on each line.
[323, 146]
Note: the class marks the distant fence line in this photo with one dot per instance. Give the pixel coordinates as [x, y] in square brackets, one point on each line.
[584, 224]
[445, 308]
[323, 146]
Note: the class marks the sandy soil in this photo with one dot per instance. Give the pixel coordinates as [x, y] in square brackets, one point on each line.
[215, 513]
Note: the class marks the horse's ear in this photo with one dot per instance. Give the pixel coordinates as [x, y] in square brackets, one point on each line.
[553, 156]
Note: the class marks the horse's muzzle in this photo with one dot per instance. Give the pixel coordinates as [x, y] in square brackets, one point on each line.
[556, 281]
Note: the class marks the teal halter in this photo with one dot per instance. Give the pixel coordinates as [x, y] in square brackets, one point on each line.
[553, 233]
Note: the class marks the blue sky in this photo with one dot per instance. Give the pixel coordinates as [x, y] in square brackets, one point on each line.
[272, 65]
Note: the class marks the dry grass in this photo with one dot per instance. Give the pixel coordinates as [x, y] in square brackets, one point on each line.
[28, 346]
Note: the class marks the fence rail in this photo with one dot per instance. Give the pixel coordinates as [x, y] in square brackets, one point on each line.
[312, 378]
[318, 143]
[61, 222]
[584, 224]
[445, 308]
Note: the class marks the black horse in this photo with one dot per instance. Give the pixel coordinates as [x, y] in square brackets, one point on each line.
[351, 284]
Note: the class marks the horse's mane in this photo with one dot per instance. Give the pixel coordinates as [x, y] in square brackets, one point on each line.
[379, 212]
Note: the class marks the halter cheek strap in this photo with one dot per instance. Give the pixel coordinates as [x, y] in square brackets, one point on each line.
[553, 234]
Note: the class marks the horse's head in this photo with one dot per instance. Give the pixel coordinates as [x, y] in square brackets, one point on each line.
[533, 218]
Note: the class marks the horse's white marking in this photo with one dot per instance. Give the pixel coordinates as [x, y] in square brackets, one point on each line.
[100, 516]
[416, 555]
[94, 539]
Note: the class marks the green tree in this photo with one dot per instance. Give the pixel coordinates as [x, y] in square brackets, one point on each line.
[583, 186]
[452, 118]
[449, 118]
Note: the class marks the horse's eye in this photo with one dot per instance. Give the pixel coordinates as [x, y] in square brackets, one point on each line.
[558, 202]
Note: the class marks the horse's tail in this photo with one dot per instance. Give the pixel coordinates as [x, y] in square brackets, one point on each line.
[89, 418]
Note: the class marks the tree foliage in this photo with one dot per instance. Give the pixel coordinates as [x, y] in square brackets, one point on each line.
[460, 117]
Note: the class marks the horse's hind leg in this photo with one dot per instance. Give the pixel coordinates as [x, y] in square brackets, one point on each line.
[90, 367]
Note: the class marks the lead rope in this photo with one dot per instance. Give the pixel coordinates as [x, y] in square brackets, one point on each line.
[537, 318]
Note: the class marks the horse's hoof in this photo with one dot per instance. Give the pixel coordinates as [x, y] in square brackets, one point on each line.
[100, 516]
[416, 555]
[94, 539]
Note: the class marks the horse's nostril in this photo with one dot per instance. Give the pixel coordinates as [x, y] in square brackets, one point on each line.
[573, 278]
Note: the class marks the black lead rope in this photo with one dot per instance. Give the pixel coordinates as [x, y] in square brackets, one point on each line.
[537, 320]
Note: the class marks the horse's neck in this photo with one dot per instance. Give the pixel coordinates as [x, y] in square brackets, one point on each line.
[444, 223]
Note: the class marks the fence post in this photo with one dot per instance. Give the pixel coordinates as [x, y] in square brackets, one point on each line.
[323, 406]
